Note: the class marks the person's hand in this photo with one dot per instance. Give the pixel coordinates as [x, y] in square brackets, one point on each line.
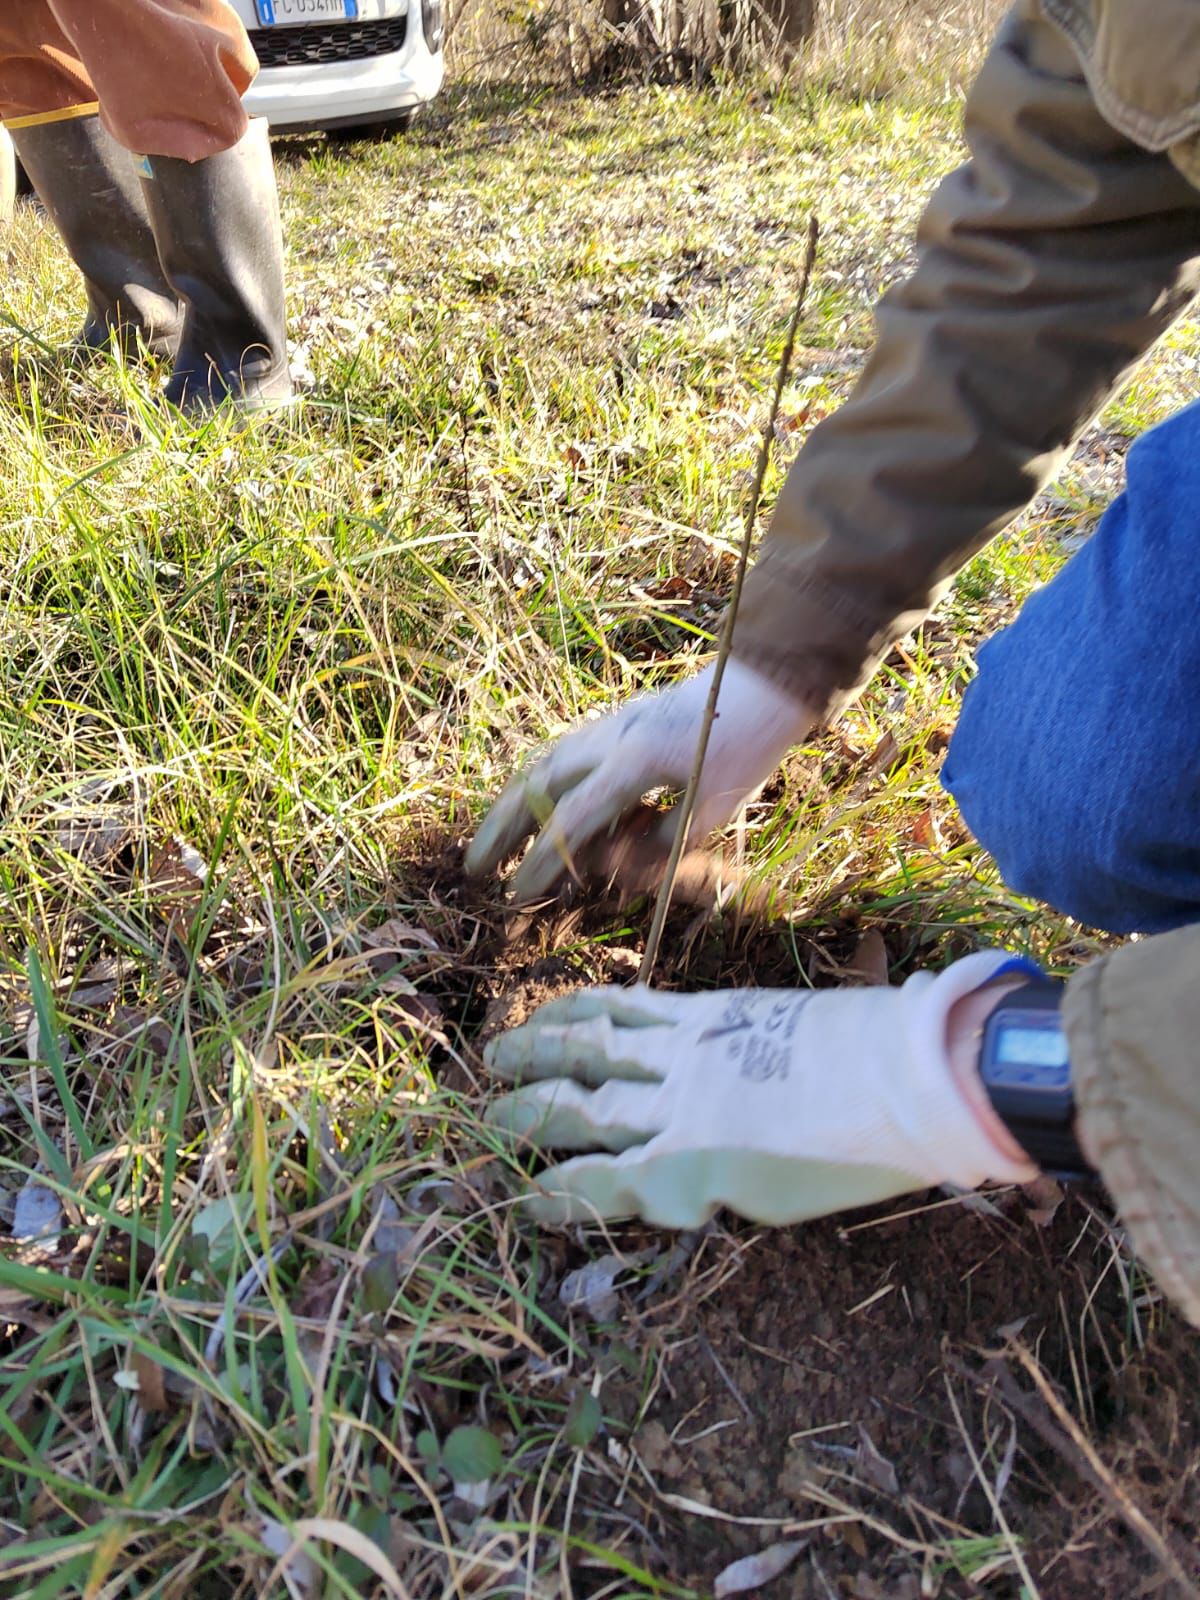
[595, 776]
[781, 1104]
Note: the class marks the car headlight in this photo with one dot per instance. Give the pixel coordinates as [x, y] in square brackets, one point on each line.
[433, 24]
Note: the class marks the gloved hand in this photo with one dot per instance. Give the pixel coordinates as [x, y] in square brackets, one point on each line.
[591, 778]
[781, 1104]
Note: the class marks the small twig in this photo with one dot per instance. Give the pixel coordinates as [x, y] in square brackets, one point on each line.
[688, 804]
[1069, 1441]
[993, 1499]
[737, 1394]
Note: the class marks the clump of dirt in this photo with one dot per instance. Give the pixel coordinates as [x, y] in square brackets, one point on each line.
[509, 960]
[894, 1388]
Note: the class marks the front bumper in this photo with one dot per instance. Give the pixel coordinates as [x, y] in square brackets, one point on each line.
[331, 93]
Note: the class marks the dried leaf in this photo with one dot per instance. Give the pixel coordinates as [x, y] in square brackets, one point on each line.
[884, 754]
[852, 1535]
[619, 962]
[37, 1214]
[417, 1017]
[675, 588]
[108, 969]
[1047, 1196]
[391, 1234]
[437, 1193]
[131, 1026]
[751, 1572]
[356, 1544]
[1006, 1465]
[1010, 1330]
[870, 963]
[151, 1387]
[922, 831]
[93, 996]
[592, 1288]
[317, 1290]
[298, 1569]
[788, 421]
[175, 883]
[93, 836]
[397, 937]
[385, 1381]
[872, 1467]
[14, 1307]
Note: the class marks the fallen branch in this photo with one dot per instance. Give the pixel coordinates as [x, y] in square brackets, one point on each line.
[688, 804]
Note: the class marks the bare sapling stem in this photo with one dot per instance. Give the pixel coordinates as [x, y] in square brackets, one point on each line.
[688, 804]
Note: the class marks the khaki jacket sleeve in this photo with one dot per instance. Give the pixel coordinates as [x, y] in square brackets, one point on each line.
[1047, 265]
[1133, 1022]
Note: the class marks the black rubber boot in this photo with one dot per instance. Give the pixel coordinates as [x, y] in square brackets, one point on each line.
[219, 239]
[90, 189]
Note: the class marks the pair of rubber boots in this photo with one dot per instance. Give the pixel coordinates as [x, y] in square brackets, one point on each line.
[184, 259]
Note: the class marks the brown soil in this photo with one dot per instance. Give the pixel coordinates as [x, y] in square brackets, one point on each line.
[838, 1378]
[874, 1337]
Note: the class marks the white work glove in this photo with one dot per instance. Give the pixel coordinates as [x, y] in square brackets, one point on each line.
[781, 1104]
[593, 777]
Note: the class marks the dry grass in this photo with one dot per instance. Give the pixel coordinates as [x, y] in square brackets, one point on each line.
[258, 682]
[916, 48]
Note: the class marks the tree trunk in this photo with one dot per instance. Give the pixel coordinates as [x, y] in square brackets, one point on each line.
[788, 23]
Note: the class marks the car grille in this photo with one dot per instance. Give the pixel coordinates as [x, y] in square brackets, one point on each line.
[336, 41]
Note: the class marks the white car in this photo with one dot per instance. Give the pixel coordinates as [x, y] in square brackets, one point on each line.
[342, 63]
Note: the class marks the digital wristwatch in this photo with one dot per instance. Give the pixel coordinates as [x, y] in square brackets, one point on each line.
[1026, 1070]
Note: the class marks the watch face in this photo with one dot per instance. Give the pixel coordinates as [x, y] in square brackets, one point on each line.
[1028, 1053]
[1025, 1067]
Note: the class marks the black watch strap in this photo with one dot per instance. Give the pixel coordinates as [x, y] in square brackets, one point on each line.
[1056, 1150]
[1025, 1069]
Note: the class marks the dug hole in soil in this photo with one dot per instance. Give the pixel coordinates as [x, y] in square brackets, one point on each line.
[870, 1387]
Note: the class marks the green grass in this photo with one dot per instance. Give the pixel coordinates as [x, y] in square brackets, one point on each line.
[540, 333]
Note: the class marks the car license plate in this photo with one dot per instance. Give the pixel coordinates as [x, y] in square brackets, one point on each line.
[282, 13]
